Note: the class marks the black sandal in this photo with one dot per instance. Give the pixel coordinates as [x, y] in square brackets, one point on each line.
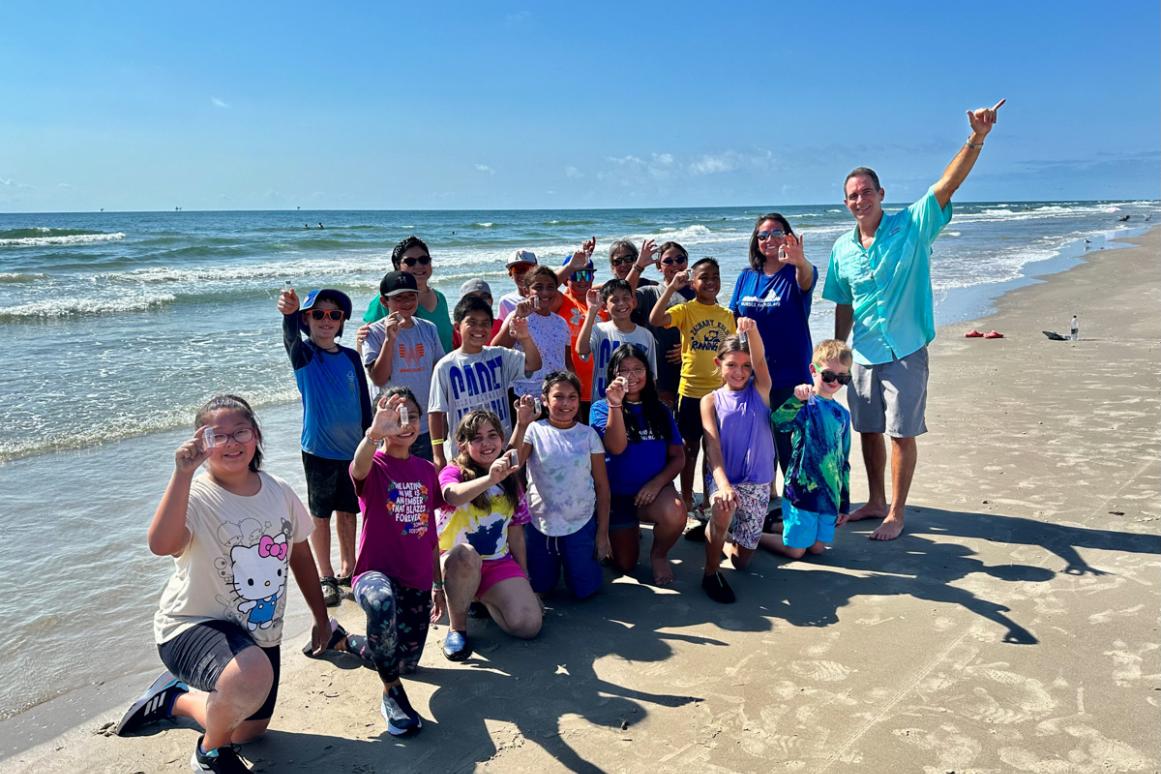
[338, 634]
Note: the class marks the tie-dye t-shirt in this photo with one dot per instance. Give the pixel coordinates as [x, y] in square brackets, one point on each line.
[562, 497]
[818, 478]
[484, 529]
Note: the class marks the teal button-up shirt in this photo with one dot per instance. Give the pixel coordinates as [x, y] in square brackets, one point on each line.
[889, 283]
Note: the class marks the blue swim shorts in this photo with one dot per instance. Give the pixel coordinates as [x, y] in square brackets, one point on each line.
[802, 529]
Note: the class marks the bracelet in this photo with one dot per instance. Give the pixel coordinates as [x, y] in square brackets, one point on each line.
[437, 585]
[370, 437]
[971, 144]
[614, 405]
[437, 441]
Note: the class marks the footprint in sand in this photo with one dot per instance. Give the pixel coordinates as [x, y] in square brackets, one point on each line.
[822, 671]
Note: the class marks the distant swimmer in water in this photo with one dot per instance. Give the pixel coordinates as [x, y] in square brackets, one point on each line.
[1123, 218]
[321, 225]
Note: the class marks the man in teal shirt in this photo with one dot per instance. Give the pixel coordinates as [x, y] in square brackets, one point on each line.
[880, 279]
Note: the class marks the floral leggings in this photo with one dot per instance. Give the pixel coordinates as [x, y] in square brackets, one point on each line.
[397, 621]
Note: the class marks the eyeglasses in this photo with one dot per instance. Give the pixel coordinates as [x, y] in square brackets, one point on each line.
[630, 372]
[241, 435]
[622, 260]
[336, 315]
[776, 233]
[830, 377]
[679, 260]
[422, 260]
[583, 275]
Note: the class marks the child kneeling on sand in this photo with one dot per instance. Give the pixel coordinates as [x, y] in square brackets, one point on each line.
[481, 531]
[818, 478]
[232, 532]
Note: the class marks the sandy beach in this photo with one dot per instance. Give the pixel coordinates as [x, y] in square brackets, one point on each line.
[1014, 626]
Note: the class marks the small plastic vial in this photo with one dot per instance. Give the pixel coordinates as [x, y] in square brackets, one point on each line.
[1075, 329]
[404, 415]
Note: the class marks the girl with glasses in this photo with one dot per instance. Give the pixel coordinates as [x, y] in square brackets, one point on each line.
[412, 256]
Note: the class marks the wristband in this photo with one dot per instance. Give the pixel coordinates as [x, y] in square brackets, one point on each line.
[371, 437]
[614, 405]
[437, 441]
[437, 585]
[971, 144]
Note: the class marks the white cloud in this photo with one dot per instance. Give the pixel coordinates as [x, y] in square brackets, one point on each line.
[5, 181]
[731, 161]
[221, 103]
[573, 172]
[485, 169]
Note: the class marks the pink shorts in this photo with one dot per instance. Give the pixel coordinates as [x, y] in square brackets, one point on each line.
[495, 570]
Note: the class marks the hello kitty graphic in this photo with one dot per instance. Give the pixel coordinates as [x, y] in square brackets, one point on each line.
[259, 576]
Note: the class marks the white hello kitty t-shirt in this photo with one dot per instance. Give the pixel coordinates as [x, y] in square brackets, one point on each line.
[236, 565]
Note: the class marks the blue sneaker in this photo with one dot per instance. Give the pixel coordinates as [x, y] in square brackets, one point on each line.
[401, 719]
[153, 705]
[223, 760]
[456, 646]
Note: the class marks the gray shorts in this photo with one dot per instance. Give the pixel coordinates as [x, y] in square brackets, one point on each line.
[890, 397]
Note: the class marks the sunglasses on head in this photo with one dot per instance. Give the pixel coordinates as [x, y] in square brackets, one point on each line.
[830, 377]
[584, 275]
[776, 233]
[326, 314]
[422, 260]
[679, 260]
[622, 260]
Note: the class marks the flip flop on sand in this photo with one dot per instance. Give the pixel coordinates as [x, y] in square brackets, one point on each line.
[973, 334]
[993, 335]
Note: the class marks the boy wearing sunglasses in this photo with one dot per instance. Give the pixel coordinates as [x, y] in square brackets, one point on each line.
[336, 411]
[817, 497]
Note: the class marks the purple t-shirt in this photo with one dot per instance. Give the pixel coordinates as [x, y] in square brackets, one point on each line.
[782, 311]
[744, 430]
[398, 499]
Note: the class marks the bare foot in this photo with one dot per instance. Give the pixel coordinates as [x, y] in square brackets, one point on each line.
[869, 511]
[662, 571]
[890, 529]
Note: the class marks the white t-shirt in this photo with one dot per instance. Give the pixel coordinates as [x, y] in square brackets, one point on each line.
[508, 303]
[552, 337]
[236, 564]
[462, 383]
[561, 495]
[604, 340]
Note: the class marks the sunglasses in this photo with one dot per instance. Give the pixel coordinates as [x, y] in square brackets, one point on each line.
[335, 315]
[830, 377]
[679, 260]
[584, 275]
[622, 260]
[422, 260]
[773, 234]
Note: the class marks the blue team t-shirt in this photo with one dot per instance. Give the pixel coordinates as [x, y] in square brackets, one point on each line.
[781, 310]
[643, 459]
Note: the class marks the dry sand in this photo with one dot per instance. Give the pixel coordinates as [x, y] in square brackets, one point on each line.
[1014, 627]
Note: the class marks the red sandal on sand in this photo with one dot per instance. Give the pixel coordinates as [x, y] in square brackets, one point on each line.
[973, 334]
[993, 335]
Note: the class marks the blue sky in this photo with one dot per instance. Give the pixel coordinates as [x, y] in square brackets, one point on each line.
[482, 105]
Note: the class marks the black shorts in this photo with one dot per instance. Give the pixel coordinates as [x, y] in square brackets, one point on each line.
[328, 486]
[623, 512]
[198, 656]
[689, 420]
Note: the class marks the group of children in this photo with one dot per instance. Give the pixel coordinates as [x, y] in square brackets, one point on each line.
[485, 473]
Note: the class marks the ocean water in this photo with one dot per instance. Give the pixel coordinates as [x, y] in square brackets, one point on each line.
[119, 325]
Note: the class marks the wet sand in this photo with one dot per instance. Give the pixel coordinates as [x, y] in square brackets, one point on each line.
[1014, 626]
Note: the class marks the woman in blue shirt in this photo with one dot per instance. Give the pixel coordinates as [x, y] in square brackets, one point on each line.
[776, 292]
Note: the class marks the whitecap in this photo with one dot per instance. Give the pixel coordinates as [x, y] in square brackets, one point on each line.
[72, 239]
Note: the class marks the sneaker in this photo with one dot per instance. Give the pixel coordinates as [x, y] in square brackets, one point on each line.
[153, 705]
[344, 581]
[330, 591]
[224, 760]
[401, 719]
[717, 589]
[456, 646]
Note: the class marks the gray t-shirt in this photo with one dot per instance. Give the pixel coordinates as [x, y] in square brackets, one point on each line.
[463, 383]
[417, 350]
[604, 340]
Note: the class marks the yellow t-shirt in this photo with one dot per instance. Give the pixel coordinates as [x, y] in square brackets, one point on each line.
[702, 327]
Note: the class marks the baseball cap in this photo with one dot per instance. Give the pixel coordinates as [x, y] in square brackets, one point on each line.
[396, 282]
[588, 266]
[338, 297]
[475, 286]
[521, 256]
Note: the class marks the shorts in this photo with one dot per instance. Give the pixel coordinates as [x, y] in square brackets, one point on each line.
[328, 486]
[623, 512]
[198, 656]
[576, 554]
[689, 420]
[782, 447]
[802, 529]
[492, 571]
[890, 397]
[746, 525]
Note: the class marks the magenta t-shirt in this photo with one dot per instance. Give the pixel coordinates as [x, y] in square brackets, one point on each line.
[398, 499]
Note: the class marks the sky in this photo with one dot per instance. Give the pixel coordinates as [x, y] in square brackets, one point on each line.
[150, 106]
